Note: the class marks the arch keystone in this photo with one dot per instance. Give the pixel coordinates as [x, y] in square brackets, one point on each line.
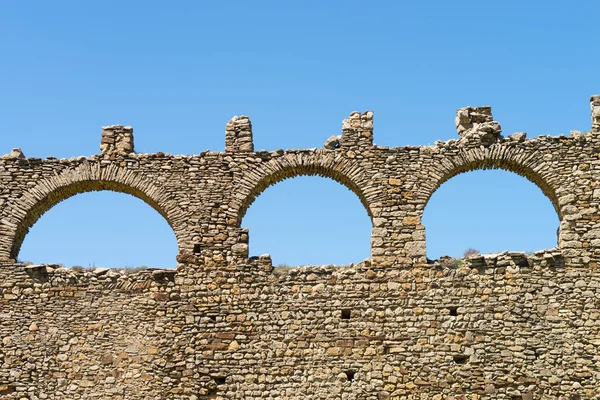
[86, 178]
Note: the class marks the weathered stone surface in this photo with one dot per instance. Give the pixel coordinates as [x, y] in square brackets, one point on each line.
[477, 123]
[224, 325]
[238, 135]
[15, 153]
[394, 184]
[357, 130]
[116, 140]
[595, 108]
[517, 136]
[497, 329]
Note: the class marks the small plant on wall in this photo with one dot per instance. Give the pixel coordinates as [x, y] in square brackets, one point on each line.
[470, 251]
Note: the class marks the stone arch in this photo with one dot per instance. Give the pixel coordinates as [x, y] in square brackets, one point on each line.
[325, 164]
[523, 162]
[24, 212]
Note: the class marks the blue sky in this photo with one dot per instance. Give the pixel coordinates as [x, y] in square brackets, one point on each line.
[177, 73]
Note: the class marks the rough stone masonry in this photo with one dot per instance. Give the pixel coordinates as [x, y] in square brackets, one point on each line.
[223, 325]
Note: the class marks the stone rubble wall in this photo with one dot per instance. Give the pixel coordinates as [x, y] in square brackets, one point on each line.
[504, 326]
[205, 196]
[224, 325]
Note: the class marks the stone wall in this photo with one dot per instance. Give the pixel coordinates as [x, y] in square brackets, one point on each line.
[500, 327]
[224, 325]
[205, 196]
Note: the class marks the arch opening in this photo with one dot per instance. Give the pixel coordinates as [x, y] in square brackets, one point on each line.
[294, 172]
[504, 165]
[308, 220]
[61, 193]
[490, 211]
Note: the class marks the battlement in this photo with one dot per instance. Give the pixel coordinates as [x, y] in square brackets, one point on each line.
[595, 107]
[474, 125]
[238, 135]
[116, 139]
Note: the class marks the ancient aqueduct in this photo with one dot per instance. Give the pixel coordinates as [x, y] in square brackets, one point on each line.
[222, 325]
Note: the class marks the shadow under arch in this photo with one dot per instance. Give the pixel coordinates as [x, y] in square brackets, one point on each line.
[341, 171]
[47, 193]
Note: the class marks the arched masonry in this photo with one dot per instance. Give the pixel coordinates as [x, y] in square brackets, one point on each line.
[86, 177]
[205, 196]
[324, 162]
[222, 325]
[481, 146]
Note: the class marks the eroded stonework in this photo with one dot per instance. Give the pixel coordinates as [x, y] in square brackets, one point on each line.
[223, 325]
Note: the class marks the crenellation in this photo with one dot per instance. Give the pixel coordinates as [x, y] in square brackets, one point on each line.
[229, 324]
[238, 135]
[357, 130]
[477, 123]
[595, 111]
[116, 140]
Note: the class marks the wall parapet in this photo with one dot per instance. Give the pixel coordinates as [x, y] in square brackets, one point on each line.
[48, 276]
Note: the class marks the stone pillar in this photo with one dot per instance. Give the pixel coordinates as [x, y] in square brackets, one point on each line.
[116, 139]
[477, 123]
[238, 135]
[357, 130]
[595, 109]
[397, 236]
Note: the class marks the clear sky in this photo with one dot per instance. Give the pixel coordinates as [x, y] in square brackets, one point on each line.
[178, 71]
